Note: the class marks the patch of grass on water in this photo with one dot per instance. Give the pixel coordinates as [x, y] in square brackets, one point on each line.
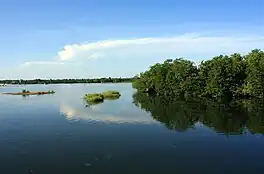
[97, 98]
[94, 98]
[111, 94]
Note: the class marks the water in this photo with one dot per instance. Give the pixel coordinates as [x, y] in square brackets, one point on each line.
[58, 134]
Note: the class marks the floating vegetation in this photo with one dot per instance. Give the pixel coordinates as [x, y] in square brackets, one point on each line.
[111, 94]
[97, 98]
[94, 98]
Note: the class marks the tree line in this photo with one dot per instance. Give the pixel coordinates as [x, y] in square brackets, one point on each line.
[224, 77]
[67, 81]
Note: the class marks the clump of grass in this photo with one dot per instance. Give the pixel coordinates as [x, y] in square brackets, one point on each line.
[111, 94]
[94, 98]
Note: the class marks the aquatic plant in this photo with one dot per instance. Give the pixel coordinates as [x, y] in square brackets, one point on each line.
[94, 98]
[111, 94]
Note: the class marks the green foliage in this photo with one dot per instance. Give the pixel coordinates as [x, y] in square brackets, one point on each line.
[222, 78]
[94, 98]
[172, 78]
[254, 83]
[111, 94]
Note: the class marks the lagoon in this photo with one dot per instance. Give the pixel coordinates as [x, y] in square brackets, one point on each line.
[60, 134]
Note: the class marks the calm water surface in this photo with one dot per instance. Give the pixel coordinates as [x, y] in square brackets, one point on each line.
[58, 134]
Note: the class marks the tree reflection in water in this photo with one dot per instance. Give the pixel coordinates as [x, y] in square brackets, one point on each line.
[236, 117]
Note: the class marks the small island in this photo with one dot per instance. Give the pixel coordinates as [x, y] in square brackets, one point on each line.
[96, 98]
[26, 92]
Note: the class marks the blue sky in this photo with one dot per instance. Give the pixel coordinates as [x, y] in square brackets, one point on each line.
[95, 38]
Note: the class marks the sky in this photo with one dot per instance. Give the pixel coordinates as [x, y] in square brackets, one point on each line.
[120, 38]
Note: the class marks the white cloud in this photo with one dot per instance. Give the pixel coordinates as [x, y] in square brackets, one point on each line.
[128, 57]
[25, 64]
[176, 46]
[95, 56]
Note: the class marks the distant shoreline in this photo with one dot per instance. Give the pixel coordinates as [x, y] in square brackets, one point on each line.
[65, 81]
[13, 84]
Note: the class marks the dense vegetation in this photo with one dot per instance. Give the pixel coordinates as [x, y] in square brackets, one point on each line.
[67, 81]
[224, 77]
[237, 117]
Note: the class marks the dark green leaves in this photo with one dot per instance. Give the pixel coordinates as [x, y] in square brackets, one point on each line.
[223, 77]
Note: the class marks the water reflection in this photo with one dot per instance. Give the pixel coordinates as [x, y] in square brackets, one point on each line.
[95, 114]
[238, 117]
[74, 108]
[33, 131]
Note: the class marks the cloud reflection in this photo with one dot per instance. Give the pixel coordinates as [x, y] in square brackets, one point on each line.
[96, 114]
[72, 106]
